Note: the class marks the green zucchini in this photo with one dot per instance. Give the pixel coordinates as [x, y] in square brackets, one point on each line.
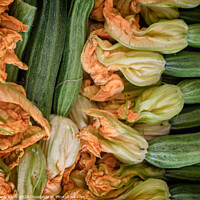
[26, 14]
[189, 173]
[191, 90]
[194, 35]
[183, 64]
[185, 192]
[70, 74]
[174, 151]
[45, 52]
[170, 79]
[190, 16]
[189, 117]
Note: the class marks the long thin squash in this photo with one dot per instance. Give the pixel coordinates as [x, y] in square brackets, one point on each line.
[174, 151]
[45, 52]
[26, 14]
[70, 74]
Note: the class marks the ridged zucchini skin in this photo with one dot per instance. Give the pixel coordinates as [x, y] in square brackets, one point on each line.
[174, 151]
[194, 35]
[185, 192]
[71, 72]
[44, 54]
[26, 14]
[189, 173]
[191, 90]
[189, 117]
[183, 64]
[190, 16]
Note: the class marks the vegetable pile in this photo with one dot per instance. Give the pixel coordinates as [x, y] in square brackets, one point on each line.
[100, 99]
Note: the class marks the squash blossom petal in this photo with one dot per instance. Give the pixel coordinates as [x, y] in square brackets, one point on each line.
[77, 115]
[141, 68]
[151, 131]
[32, 175]
[153, 14]
[158, 104]
[169, 36]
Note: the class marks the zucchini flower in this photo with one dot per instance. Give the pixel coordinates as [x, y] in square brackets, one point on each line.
[171, 3]
[107, 183]
[154, 189]
[151, 131]
[141, 68]
[167, 37]
[158, 104]
[60, 151]
[100, 58]
[77, 115]
[32, 176]
[107, 134]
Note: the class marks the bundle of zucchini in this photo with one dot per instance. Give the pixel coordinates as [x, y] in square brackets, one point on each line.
[116, 127]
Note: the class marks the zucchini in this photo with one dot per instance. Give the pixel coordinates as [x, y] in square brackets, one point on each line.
[185, 192]
[194, 35]
[26, 14]
[190, 16]
[189, 117]
[70, 73]
[45, 52]
[174, 151]
[191, 90]
[170, 79]
[189, 173]
[183, 64]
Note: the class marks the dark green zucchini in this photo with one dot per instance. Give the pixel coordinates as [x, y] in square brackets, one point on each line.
[189, 173]
[190, 16]
[183, 64]
[70, 73]
[170, 79]
[25, 13]
[44, 53]
[194, 35]
[174, 151]
[191, 90]
[185, 192]
[189, 117]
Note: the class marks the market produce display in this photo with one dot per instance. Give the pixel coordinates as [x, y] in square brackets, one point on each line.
[100, 99]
